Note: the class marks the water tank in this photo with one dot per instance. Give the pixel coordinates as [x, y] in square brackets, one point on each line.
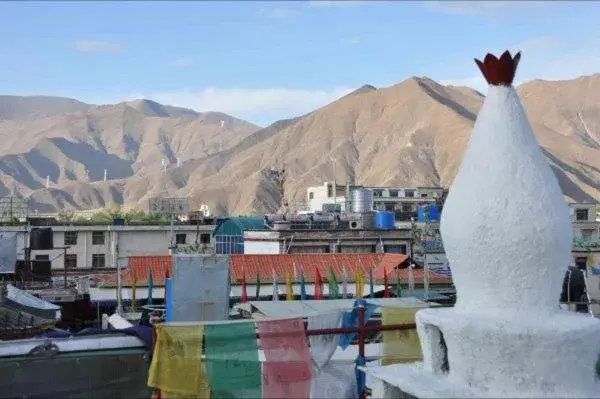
[433, 213]
[385, 220]
[362, 200]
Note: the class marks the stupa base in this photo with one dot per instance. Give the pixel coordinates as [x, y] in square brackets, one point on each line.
[478, 355]
[413, 381]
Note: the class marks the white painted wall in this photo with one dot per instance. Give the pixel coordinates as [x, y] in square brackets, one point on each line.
[261, 247]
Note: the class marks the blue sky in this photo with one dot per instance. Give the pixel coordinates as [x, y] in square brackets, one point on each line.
[264, 61]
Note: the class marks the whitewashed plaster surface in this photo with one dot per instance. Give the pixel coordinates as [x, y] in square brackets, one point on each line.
[505, 225]
[507, 234]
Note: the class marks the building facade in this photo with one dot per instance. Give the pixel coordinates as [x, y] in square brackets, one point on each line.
[101, 246]
[400, 200]
[327, 241]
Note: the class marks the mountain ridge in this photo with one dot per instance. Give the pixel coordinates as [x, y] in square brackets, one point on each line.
[412, 133]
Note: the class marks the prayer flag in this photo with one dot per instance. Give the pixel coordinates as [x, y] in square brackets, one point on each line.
[177, 368]
[386, 289]
[232, 363]
[371, 287]
[334, 289]
[289, 290]
[150, 288]
[344, 283]
[360, 285]
[275, 289]
[257, 284]
[398, 284]
[302, 286]
[244, 297]
[287, 366]
[318, 285]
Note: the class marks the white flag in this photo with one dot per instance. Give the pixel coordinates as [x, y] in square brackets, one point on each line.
[275, 290]
[344, 283]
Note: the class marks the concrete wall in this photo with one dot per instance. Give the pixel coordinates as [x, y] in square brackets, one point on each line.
[119, 242]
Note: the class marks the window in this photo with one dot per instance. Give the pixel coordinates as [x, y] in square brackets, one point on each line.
[311, 195]
[42, 257]
[70, 238]
[205, 238]
[588, 234]
[581, 214]
[180, 238]
[97, 238]
[423, 195]
[70, 261]
[329, 191]
[410, 194]
[98, 260]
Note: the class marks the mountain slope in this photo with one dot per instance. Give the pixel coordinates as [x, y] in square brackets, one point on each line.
[410, 134]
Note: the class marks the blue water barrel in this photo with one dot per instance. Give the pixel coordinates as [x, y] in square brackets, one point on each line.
[432, 211]
[385, 220]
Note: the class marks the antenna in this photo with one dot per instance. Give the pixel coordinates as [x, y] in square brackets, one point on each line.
[105, 174]
[48, 181]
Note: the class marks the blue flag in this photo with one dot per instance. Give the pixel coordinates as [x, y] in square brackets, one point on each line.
[371, 288]
[350, 319]
[150, 287]
[302, 287]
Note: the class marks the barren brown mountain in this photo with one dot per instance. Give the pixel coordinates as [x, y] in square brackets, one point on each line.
[411, 134]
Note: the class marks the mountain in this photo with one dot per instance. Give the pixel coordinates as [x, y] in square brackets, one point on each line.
[129, 140]
[413, 134]
[32, 107]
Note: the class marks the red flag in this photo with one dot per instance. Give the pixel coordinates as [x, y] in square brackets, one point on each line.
[287, 367]
[244, 292]
[318, 285]
[386, 291]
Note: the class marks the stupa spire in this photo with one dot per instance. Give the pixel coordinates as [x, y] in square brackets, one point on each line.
[499, 71]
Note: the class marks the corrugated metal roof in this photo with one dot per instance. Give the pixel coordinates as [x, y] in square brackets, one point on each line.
[263, 266]
[236, 226]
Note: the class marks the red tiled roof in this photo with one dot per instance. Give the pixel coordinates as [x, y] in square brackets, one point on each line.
[263, 265]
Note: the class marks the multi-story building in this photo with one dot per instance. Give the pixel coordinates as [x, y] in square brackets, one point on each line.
[401, 200]
[282, 241]
[85, 246]
[586, 234]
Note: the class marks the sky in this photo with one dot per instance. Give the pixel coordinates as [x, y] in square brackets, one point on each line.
[264, 61]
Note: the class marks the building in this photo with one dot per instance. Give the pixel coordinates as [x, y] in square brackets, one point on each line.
[585, 224]
[291, 241]
[229, 233]
[85, 246]
[401, 200]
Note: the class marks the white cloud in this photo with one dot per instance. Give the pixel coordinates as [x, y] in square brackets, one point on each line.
[181, 63]
[477, 7]
[281, 13]
[258, 105]
[93, 46]
[543, 57]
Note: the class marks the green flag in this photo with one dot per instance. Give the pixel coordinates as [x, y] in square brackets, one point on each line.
[334, 288]
[257, 285]
[232, 364]
[398, 285]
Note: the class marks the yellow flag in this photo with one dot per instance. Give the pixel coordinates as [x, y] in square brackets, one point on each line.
[359, 283]
[177, 368]
[289, 291]
[400, 346]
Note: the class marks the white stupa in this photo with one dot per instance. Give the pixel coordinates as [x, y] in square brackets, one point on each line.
[507, 234]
